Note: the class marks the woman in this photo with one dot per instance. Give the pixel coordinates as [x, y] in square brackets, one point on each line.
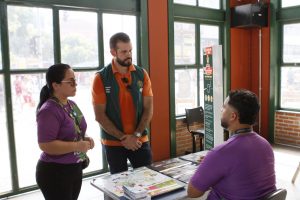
[61, 136]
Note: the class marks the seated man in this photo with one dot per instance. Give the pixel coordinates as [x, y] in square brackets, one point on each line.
[243, 166]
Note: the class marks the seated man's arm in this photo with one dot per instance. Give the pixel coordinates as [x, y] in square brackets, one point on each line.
[193, 192]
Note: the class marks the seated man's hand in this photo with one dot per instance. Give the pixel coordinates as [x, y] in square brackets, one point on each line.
[201, 158]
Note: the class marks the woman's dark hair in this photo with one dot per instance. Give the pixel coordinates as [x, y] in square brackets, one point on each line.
[246, 103]
[55, 74]
[118, 37]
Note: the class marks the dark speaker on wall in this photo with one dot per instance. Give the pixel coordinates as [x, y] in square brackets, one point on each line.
[249, 16]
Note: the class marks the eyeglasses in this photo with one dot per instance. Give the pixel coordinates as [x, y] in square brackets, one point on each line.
[72, 82]
[126, 82]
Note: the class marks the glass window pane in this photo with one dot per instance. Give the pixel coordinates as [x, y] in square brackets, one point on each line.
[25, 96]
[25, 92]
[79, 38]
[185, 89]
[30, 37]
[184, 41]
[209, 36]
[121, 23]
[84, 82]
[290, 87]
[201, 92]
[209, 3]
[0, 55]
[291, 43]
[5, 173]
[186, 2]
[288, 3]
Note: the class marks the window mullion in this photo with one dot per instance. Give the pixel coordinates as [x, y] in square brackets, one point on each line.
[56, 36]
[8, 97]
[100, 40]
[198, 59]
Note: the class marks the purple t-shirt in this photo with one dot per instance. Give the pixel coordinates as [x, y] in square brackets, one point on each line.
[54, 123]
[242, 168]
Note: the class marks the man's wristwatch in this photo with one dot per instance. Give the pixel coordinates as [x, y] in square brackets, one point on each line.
[137, 134]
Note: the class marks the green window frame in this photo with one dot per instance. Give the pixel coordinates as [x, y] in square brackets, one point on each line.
[289, 71]
[197, 65]
[128, 7]
[197, 15]
[285, 17]
[198, 3]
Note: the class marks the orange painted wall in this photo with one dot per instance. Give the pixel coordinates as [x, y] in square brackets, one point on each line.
[240, 59]
[159, 74]
[244, 71]
[245, 64]
[265, 82]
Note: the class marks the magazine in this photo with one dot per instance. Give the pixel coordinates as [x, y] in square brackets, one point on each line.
[168, 164]
[154, 182]
[180, 171]
[194, 157]
[186, 177]
[135, 192]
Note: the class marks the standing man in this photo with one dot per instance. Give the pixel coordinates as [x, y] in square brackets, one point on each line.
[123, 105]
[243, 166]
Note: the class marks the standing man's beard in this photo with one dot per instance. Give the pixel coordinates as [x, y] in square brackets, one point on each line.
[224, 124]
[125, 63]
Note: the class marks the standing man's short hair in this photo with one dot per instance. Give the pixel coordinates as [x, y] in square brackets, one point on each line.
[118, 37]
[246, 104]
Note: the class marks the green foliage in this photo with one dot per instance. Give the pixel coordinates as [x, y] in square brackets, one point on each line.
[78, 51]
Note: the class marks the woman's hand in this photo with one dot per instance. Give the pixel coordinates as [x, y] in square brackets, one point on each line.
[82, 146]
[91, 140]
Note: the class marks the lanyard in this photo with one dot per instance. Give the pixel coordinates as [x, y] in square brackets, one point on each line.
[72, 114]
[241, 131]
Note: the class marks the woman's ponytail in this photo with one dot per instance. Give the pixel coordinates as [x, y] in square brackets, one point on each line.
[44, 96]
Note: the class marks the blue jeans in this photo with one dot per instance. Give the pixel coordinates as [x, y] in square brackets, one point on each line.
[117, 157]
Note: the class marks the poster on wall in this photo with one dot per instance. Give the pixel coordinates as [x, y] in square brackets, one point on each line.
[213, 95]
[208, 98]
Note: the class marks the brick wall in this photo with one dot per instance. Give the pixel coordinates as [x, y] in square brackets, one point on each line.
[183, 138]
[287, 128]
[287, 131]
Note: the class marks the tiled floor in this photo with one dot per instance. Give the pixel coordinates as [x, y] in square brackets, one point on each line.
[88, 192]
[286, 162]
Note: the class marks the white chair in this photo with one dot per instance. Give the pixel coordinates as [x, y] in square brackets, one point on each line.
[279, 194]
[296, 173]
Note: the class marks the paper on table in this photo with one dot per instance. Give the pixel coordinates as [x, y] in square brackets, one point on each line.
[154, 182]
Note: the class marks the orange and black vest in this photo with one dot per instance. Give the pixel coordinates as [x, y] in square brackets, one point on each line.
[111, 88]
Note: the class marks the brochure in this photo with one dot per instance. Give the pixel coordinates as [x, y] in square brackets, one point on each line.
[168, 164]
[135, 191]
[154, 182]
[186, 177]
[181, 170]
[194, 157]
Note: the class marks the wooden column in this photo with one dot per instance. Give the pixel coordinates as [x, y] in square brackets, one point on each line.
[159, 74]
